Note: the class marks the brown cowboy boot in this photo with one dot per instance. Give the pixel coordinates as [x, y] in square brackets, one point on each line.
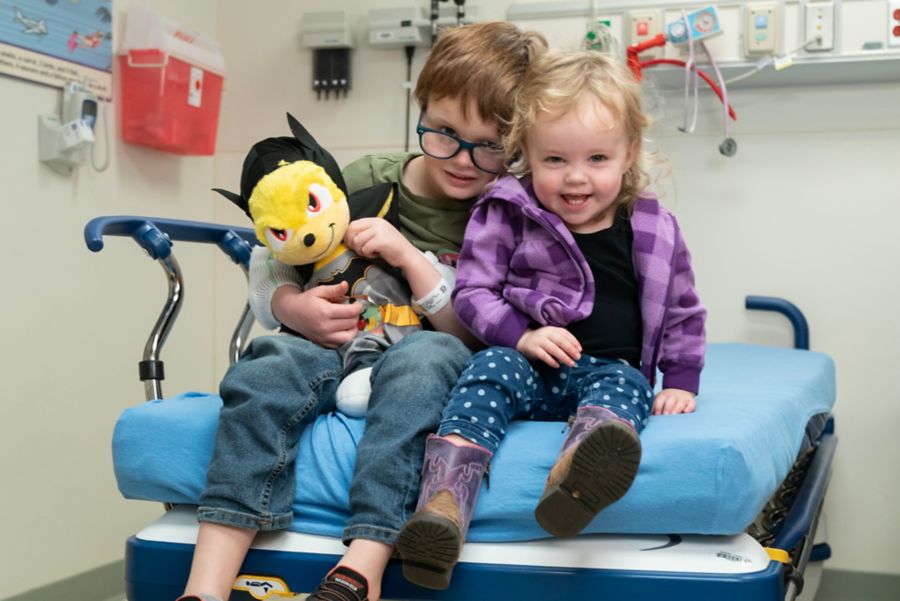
[596, 466]
[430, 542]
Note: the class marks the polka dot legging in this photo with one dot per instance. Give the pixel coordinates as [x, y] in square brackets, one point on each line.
[500, 385]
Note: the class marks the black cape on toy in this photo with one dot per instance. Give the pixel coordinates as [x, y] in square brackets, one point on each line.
[293, 191]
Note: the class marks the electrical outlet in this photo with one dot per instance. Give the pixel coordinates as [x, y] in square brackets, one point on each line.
[820, 26]
[893, 33]
[761, 28]
[643, 25]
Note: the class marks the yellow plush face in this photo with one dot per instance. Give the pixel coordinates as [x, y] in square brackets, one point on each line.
[299, 213]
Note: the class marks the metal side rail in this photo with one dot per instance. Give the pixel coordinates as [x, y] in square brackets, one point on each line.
[156, 237]
[797, 533]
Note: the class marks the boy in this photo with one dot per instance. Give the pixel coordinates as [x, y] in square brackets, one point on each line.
[465, 90]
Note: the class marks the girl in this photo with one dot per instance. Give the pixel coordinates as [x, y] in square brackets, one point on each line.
[584, 285]
[282, 383]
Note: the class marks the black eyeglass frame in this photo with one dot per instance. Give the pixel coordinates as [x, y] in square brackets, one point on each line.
[461, 145]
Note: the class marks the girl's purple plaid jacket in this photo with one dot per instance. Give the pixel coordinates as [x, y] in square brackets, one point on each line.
[520, 266]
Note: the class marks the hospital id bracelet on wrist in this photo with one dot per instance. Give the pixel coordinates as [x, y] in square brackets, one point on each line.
[434, 301]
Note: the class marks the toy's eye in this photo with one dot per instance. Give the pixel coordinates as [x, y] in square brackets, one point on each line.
[319, 199]
[277, 238]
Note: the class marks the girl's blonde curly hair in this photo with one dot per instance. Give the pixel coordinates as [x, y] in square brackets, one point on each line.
[558, 81]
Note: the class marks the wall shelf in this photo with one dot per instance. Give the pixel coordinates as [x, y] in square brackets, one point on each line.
[806, 71]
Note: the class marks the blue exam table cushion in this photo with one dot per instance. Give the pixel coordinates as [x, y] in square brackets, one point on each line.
[709, 472]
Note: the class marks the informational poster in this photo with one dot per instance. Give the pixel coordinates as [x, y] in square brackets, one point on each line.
[57, 41]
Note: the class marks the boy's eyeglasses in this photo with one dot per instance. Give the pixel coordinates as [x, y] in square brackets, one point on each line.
[488, 157]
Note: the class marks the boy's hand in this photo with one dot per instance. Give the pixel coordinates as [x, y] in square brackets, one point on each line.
[551, 345]
[320, 314]
[373, 238]
[673, 400]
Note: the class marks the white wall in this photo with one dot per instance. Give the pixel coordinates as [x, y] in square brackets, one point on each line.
[74, 325]
[806, 210]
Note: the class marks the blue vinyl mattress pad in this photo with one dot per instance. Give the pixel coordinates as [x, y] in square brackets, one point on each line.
[709, 472]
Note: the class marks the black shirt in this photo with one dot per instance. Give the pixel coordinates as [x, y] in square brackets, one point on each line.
[614, 329]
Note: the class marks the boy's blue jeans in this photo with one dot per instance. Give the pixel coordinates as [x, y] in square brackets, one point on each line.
[280, 385]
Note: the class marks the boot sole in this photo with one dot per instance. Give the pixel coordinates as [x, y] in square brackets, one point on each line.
[603, 468]
[429, 546]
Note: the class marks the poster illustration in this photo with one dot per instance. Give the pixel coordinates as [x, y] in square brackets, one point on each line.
[56, 41]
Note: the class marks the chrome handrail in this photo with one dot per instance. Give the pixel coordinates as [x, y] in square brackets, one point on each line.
[241, 330]
[151, 368]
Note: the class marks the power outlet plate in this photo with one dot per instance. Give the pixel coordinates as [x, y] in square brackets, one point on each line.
[893, 32]
[820, 26]
[761, 28]
[643, 25]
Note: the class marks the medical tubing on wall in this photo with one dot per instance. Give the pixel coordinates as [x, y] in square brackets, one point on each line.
[722, 86]
[102, 168]
[770, 60]
[680, 63]
[689, 73]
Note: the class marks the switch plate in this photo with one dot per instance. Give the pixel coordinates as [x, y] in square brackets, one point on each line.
[819, 23]
[893, 32]
[762, 28]
[643, 25]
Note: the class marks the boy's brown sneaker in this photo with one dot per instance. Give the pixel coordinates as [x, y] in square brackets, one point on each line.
[341, 584]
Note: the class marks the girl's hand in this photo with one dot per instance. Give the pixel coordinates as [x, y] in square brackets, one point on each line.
[551, 345]
[373, 238]
[673, 400]
[320, 314]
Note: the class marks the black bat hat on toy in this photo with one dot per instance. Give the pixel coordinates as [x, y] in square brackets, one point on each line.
[268, 155]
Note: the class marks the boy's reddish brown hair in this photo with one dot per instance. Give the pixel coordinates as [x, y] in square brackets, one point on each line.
[482, 63]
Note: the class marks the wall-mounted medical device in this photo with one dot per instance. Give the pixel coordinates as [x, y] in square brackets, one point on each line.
[65, 142]
[414, 26]
[688, 30]
[694, 26]
[435, 16]
[328, 33]
[399, 27]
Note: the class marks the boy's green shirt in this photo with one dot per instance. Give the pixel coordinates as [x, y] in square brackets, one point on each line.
[431, 225]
